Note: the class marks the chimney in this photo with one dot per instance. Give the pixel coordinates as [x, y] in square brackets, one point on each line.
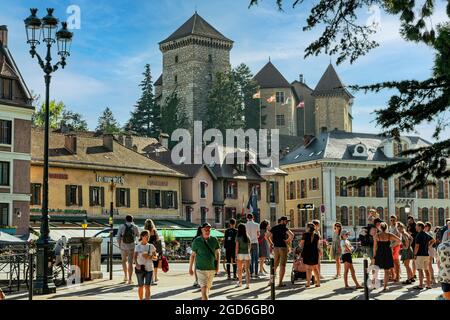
[164, 140]
[70, 143]
[301, 79]
[129, 141]
[108, 141]
[4, 35]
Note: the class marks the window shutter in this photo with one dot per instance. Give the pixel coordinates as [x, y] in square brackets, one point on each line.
[68, 196]
[151, 200]
[309, 183]
[318, 183]
[446, 189]
[277, 199]
[175, 199]
[447, 213]
[349, 189]
[338, 214]
[80, 196]
[117, 198]
[32, 194]
[164, 199]
[235, 188]
[350, 216]
[140, 193]
[298, 195]
[91, 196]
[128, 198]
[337, 184]
[419, 214]
[224, 189]
[287, 190]
[267, 191]
[102, 195]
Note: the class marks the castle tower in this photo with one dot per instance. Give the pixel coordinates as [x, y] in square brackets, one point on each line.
[192, 56]
[279, 111]
[333, 103]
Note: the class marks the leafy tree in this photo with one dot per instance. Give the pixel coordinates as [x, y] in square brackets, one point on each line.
[107, 124]
[56, 109]
[415, 102]
[247, 88]
[173, 116]
[225, 103]
[73, 121]
[146, 118]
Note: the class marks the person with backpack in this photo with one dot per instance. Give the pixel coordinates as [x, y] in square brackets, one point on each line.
[126, 239]
[230, 248]
[206, 256]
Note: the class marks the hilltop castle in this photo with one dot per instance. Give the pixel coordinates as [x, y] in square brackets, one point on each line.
[196, 51]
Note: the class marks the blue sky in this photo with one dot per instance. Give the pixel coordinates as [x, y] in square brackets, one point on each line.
[117, 38]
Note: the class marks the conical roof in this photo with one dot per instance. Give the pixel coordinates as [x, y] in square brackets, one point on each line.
[331, 84]
[196, 25]
[270, 77]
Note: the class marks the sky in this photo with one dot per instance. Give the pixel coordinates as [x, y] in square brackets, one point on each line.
[114, 39]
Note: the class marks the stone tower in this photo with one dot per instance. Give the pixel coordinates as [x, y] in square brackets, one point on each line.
[333, 104]
[192, 56]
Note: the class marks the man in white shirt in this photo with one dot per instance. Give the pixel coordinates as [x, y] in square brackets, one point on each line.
[253, 233]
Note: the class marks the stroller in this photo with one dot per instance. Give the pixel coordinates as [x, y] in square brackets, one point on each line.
[299, 268]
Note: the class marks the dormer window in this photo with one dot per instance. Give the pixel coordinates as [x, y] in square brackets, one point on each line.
[399, 147]
[360, 150]
[6, 89]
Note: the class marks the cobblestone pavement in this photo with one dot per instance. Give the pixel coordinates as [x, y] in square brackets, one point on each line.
[178, 285]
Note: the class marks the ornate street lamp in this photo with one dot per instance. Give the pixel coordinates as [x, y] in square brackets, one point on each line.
[36, 29]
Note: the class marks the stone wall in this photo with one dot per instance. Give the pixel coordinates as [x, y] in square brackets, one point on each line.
[332, 113]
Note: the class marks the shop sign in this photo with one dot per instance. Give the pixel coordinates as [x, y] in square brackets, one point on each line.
[157, 183]
[105, 179]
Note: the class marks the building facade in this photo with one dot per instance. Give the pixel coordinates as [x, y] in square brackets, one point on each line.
[88, 174]
[319, 171]
[15, 133]
[192, 56]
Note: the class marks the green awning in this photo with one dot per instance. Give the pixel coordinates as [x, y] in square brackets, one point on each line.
[190, 233]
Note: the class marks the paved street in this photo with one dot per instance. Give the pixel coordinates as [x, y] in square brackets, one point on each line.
[177, 285]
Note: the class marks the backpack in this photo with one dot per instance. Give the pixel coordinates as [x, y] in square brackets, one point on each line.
[128, 234]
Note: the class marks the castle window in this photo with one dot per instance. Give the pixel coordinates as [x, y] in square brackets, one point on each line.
[280, 120]
[176, 79]
[210, 77]
[176, 59]
[209, 58]
[280, 97]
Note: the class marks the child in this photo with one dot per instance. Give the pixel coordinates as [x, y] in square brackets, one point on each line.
[346, 249]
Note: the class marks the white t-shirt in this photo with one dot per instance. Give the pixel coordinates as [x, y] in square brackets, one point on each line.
[140, 249]
[345, 245]
[252, 231]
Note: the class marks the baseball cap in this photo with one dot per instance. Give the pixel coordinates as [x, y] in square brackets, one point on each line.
[206, 225]
[345, 231]
[284, 218]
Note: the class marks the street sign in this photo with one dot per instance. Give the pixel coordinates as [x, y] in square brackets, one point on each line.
[305, 206]
[322, 208]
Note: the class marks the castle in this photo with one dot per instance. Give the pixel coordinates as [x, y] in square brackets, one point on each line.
[196, 51]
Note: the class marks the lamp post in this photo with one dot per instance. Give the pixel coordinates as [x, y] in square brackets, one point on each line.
[35, 29]
[84, 225]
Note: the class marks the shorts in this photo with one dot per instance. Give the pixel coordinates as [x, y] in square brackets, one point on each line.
[280, 256]
[243, 256]
[422, 262]
[347, 257]
[144, 278]
[445, 287]
[205, 278]
[127, 255]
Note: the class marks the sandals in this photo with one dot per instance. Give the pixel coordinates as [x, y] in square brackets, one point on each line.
[359, 287]
[417, 288]
[348, 288]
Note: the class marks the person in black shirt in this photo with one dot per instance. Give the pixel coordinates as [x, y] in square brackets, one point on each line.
[423, 241]
[230, 248]
[412, 231]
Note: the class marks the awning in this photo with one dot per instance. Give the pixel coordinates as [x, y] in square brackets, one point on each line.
[7, 239]
[189, 233]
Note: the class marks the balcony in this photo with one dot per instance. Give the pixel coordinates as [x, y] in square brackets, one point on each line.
[405, 194]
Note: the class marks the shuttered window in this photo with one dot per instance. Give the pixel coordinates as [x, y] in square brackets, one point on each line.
[74, 195]
[96, 196]
[142, 198]
[35, 194]
[123, 197]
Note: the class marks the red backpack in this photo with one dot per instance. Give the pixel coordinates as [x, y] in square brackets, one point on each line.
[164, 264]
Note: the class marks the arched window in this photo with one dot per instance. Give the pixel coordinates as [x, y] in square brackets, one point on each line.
[425, 216]
[343, 187]
[362, 216]
[403, 216]
[380, 188]
[344, 216]
[291, 190]
[441, 190]
[380, 211]
[303, 189]
[314, 183]
[362, 191]
[302, 217]
[441, 216]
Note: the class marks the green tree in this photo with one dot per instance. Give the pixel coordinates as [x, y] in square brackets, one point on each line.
[225, 104]
[107, 124]
[73, 121]
[55, 113]
[173, 116]
[146, 117]
[248, 87]
[414, 102]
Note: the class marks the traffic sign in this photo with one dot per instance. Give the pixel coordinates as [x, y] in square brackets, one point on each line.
[305, 206]
[322, 208]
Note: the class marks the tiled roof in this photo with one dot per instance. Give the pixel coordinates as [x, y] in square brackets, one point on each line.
[92, 154]
[270, 77]
[198, 26]
[331, 84]
[339, 145]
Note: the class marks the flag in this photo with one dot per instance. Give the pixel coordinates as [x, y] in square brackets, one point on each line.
[271, 99]
[257, 95]
[252, 203]
[288, 100]
[301, 105]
